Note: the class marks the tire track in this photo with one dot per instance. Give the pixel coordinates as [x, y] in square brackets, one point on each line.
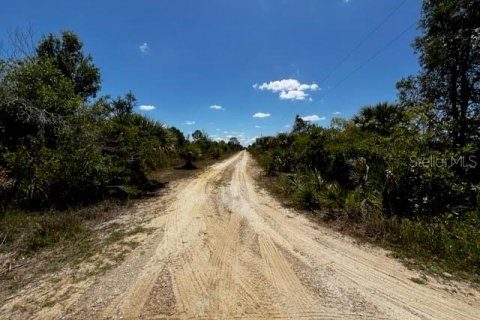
[230, 251]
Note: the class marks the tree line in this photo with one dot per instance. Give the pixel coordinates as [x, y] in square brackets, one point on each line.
[61, 144]
[409, 171]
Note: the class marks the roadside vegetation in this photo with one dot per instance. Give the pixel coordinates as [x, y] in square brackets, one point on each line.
[406, 174]
[63, 147]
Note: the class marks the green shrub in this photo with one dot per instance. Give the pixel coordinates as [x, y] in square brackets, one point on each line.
[285, 186]
[333, 195]
[306, 187]
[354, 205]
[360, 203]
[478, 197]
[306, 196]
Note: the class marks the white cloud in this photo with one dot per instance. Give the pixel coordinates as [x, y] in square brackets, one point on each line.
[261, 115]
[258, 127]
[287, 126]
[217, 129]
[313, 117]
[293, 95]
[215, 137]
[144, 48]
[288, 89]
[189, 122]
[216, 107]
[146, 107]
[337, 113]
[286, 85]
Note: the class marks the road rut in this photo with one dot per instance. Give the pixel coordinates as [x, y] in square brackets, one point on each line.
[225, 249]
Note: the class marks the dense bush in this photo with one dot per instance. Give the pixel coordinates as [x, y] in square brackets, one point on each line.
[407, 172]
[411, 176]
[60, 145]
[385, 185]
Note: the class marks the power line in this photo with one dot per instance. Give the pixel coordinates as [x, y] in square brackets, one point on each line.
[363, 41]
[372, 57]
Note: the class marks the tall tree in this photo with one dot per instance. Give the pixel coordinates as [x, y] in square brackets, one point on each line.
[299, 125]
[178, 137]
[122, 107]
[380, 118]
[198, 135]
[67, 55]
[233, 141]
[449, 51]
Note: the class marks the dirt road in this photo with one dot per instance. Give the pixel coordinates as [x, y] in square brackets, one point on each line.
[225, 249]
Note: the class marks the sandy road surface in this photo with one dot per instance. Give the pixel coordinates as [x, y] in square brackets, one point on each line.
[225, 249]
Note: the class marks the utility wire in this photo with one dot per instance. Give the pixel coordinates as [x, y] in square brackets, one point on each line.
[372, 57]
[364, 40]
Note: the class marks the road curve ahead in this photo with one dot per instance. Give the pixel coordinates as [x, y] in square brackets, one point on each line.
[225, 249]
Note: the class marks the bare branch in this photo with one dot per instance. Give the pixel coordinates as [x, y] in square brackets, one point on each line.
[21, 44]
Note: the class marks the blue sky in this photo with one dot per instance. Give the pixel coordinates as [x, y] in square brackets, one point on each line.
[242, 68]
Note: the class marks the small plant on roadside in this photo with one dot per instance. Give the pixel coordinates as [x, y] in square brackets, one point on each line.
[306, 187]
[333, 195]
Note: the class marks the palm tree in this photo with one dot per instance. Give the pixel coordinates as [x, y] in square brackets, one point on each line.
[380, 118]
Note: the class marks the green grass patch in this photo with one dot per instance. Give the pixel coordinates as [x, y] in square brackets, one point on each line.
[437, 245]
[29, 232]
